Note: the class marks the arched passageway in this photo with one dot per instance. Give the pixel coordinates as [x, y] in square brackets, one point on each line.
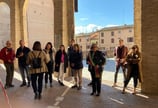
[4, 23]
[146, 26]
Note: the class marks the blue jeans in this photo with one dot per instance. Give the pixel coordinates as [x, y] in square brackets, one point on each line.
[23, 71]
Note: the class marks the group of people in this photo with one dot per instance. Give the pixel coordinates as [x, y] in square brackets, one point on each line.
[25, 57]
[129, 62]
[36, 63]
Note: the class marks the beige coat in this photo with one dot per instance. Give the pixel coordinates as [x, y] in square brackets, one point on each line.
[44, 60]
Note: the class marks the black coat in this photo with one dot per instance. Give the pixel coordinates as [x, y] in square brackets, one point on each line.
[76, 60]
[22, 59]
[98, 59]
[58, 61]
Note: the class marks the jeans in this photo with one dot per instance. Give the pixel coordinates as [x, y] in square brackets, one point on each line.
[23, 71]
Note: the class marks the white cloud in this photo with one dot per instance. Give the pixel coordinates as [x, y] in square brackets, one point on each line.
[87, 29]
[111, 25]
[91, 28]
[83, 19]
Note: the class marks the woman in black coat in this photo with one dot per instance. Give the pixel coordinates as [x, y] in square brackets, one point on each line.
[61, 63]
[76, 64]
[133, 58]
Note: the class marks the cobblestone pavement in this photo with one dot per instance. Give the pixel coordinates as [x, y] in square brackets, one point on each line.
[65, 97]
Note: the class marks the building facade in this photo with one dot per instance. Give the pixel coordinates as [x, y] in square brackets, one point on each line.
[107, 38]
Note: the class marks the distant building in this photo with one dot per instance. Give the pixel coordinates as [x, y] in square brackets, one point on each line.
[107, 38]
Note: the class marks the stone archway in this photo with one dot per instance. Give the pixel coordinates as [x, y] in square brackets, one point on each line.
[4, 23]
[39, 21]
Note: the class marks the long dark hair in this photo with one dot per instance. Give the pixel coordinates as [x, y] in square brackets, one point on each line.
[37, 46]
[51, 46]
[136, 47]
[63, 47]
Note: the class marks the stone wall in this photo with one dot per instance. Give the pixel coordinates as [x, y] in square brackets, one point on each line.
[147, 26]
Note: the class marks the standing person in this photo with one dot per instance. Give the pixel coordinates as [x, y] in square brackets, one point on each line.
[37, 61]
[96, 61]
[76, 63]
[50, 55]
[69, 51]
[61, 63]
[120, 53]
[133, 58]
[21, 54]
[8, 56]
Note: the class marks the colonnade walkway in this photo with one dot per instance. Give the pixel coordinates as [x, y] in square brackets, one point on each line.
[66, 97]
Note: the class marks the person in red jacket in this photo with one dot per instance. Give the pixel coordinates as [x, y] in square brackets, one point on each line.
[8, 55]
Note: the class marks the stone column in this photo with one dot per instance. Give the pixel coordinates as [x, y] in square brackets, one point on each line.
[65, 24]
[23, 21]
[15, 23]
[137, 20]
[58, 23]
[148, 25]
[70, 15]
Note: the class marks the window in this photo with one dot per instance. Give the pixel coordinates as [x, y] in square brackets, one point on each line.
[102, 34]
[130, 39]
[130, 30]
[112, 33]
[112, 48]
[119, 31]
[88, 46]
[80, 40]
[102, 41]
[81, 47]
[112, 40]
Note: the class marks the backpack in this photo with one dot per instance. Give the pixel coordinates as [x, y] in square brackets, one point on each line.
[36, 61]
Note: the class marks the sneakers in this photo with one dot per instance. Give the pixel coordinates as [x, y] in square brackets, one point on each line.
[8, 86]
[90, 84]
[37, 96]
[79, 88]
[96, 94]
[23, 84]
[92, 93]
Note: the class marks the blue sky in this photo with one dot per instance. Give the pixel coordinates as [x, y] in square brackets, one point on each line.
[96, 14]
